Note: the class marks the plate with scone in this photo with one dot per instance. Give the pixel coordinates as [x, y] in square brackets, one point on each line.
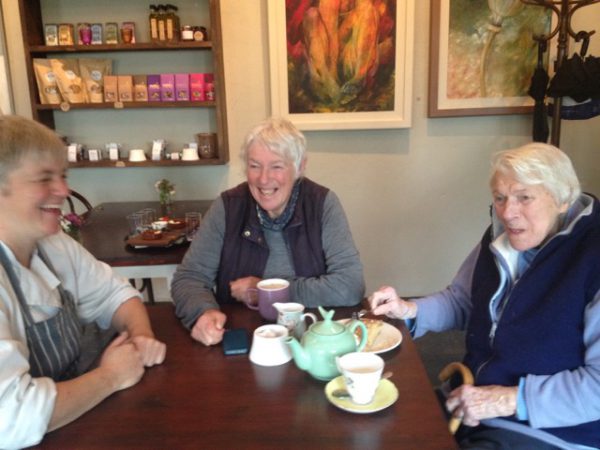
[381, 336]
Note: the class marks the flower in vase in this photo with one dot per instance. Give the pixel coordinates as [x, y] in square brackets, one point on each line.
[71, 223]
[165, 191]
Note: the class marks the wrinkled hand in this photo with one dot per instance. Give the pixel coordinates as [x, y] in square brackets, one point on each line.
[209, 327]
[239, 288]
[475, 403]
[386, 301]
[152, 351]
[122, 362]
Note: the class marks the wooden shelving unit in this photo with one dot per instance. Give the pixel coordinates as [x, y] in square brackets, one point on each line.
[32, 24]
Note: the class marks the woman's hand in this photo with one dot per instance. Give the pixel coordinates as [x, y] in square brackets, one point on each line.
[209, 327]
[386, 301]
[122, 362]
[152, 351]
[239, 288]
[475, 403]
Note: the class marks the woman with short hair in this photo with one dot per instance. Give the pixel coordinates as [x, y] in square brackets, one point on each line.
[49, 287]
[528, 297]
[277, 224]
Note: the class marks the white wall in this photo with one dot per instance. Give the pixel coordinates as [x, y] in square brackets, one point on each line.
[417, 199]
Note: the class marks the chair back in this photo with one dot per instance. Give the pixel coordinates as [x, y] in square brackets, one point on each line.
[76, 196]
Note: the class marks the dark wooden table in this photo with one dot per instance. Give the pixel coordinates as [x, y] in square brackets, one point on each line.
[106, 229]
[201, 399]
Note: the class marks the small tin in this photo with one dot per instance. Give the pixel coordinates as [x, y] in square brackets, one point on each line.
[96, 33]
[111, 33]
[51, 34]
[65, 34]
[200, 34]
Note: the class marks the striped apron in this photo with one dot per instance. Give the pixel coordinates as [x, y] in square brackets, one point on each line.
[54, 344]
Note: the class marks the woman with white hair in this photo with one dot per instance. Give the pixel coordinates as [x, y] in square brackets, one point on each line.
[277, 224]
[528, 297]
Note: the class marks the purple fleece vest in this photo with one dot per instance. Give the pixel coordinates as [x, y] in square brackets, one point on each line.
[245, 251]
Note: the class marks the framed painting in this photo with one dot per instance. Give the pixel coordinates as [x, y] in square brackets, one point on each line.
[341, 65]
[483, 55]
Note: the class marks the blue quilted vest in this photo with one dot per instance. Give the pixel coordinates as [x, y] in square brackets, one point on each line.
[540, 330]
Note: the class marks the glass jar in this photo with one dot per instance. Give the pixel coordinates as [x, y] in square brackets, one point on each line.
[187, 33]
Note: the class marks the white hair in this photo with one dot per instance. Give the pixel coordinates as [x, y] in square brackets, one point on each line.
[543, 164]
[281, 137]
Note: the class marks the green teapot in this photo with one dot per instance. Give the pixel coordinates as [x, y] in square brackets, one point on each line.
[323, 342]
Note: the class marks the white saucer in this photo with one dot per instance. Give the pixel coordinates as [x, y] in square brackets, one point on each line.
[385, 396]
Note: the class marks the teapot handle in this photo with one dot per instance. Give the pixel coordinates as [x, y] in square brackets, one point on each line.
[363, 341]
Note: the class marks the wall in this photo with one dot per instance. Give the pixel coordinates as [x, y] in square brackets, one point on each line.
[416, 198]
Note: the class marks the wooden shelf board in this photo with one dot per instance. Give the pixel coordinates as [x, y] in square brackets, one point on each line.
[128, 105]
[105, 163]
[143, 46]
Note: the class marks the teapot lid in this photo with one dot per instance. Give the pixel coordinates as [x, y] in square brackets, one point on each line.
[327, 327]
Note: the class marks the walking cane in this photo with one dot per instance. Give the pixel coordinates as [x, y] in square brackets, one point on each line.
[467, 378]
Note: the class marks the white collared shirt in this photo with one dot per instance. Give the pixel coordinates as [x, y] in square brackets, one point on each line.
[26, 403]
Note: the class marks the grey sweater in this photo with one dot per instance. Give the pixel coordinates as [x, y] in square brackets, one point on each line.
[342, 285]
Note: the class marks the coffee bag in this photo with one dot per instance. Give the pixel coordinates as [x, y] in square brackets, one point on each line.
[93, 71]
[46, 82]
[69, 80]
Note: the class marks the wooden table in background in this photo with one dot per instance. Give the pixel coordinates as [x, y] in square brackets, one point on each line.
[106, 230]
[202, 399]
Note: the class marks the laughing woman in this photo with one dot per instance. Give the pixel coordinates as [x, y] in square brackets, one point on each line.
[276, 224]
[49, 286]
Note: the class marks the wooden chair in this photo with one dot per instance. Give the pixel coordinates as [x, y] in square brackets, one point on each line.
[76, 196]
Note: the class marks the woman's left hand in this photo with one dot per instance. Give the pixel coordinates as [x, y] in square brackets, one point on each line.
[239, 288]
[152, 351]
[475, 403]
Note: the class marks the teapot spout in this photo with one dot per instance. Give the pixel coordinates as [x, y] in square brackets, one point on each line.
[301, 356]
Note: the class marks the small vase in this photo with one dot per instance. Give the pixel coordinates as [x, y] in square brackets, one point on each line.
[165, 199]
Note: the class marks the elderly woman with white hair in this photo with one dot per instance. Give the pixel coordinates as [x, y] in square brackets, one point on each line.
[277, 224]
[528, 297]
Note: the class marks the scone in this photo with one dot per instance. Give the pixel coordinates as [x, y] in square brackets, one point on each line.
[374, 327]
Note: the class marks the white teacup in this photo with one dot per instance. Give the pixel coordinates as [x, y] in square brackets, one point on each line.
[269, 347]
[361, 372]
[137, 155]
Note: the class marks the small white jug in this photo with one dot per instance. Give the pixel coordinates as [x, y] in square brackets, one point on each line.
[292, 316]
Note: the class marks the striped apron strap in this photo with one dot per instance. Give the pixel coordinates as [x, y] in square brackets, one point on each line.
[54, 344]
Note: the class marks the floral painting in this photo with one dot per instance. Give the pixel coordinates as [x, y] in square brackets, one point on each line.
[341, 55]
